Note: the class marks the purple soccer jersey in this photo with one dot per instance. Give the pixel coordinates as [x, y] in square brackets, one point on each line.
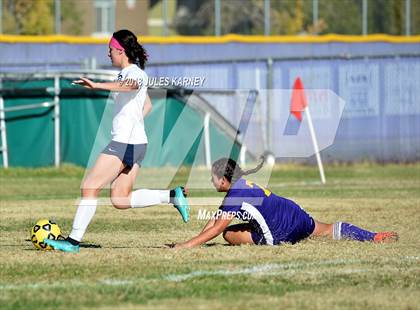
[273, 219]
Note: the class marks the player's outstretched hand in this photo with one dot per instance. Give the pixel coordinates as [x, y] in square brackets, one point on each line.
[86, 83]
[182, 245]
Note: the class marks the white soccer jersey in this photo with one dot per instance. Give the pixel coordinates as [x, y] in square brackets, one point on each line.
[128, 123]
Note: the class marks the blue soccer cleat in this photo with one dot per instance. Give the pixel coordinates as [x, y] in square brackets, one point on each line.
[181, 203]
[62, 245]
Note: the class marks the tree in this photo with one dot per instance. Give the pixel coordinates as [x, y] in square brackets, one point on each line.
[386, 16]
[237, 16]
[341, 16]
[415, 17]
[36, 17]
[244, 17]
[288, 17]
[295, 17]
[28, 17]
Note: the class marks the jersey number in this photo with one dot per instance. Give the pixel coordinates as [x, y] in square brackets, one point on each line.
[253, 185]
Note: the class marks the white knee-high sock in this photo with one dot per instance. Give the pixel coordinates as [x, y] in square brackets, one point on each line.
[84, 214]
[146, 197]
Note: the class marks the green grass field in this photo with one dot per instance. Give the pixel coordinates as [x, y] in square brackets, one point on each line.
[130, 269]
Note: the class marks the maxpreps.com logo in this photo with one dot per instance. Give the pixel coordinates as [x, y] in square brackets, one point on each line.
[225, 215]
[287, 106]
[311, 124]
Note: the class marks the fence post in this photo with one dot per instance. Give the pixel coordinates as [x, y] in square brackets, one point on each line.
[365, 17]
[1, 16]
[269, 101]
[3, 149]
[217, 17]
[315, 14]
[266, 17]
[57, 120]
[165, 17]
[57, 11]
[407, 17]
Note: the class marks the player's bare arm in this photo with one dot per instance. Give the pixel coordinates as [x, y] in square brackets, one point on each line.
[118, 86]
[219, 225]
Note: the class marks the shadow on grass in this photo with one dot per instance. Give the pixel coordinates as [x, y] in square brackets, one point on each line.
[90, 245]
[82, 245]
[171, 245]
[98, 246]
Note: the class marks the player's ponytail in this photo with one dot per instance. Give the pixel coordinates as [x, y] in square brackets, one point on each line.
[134, 51]
[258, 167]
[228, 168]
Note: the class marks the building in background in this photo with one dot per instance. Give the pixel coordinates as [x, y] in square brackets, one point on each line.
[103, 17]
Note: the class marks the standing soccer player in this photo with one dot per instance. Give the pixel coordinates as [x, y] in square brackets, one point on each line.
[272, 219]
[120, 161]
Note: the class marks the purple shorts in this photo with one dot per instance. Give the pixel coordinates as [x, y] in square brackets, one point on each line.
[302, 229]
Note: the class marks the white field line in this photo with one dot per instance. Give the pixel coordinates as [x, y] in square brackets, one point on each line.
[288, 269]
[277, 269]
[260, 270]
[267, 272]
[72, 283]
[116, 282]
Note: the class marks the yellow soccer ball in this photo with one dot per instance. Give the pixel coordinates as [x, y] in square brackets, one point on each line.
[44, 229]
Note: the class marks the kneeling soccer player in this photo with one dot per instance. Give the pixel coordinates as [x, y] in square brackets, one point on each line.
[271, 219]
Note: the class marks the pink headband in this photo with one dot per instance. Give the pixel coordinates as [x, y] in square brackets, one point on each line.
[114, 43]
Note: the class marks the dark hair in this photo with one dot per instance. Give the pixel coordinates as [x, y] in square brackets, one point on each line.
[228, 168]
[134, 51]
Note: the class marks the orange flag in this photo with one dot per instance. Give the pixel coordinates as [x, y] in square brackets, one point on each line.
[299, 102]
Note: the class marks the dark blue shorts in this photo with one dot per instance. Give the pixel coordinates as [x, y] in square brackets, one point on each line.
[302, 228]
[129, 154]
